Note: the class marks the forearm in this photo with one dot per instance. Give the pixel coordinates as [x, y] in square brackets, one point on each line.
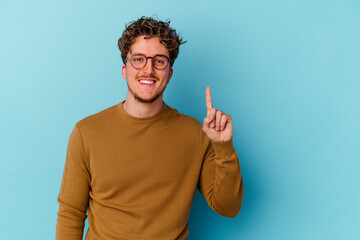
[70, 223]
[220, 181]
[228, 186]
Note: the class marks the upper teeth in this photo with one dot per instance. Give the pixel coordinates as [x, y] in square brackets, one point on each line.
[147, 81]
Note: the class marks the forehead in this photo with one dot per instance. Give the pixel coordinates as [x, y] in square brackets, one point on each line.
[149, 47]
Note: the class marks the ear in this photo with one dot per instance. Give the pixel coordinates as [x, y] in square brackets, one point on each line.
[123, 71]
[171, 71]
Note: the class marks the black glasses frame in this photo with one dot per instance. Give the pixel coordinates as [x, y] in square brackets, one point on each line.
[146, 59]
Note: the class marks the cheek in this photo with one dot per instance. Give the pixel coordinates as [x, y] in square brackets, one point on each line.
[166, 74]
[131, 74]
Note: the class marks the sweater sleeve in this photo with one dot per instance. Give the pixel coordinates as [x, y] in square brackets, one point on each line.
[220, 178]
[74, 192]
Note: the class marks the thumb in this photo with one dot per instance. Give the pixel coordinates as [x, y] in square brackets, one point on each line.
[207, 122]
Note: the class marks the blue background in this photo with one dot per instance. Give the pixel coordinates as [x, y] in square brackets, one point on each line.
[287, 71]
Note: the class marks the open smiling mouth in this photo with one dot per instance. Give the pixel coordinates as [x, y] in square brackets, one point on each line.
[147, 82]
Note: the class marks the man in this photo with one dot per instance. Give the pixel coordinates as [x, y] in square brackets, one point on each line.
[134, 167]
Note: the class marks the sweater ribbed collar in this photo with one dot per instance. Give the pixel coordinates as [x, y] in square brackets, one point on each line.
[124, 114]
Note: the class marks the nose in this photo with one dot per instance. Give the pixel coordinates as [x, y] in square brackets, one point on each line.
[149, 68]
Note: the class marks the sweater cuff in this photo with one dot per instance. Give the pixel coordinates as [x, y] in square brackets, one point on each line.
[223, 149]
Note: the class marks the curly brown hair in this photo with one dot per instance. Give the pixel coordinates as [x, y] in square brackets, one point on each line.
[150, 27]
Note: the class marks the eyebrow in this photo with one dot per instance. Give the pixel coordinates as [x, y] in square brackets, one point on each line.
[147, 56]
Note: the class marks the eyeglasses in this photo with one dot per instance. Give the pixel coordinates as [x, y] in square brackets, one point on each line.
[139, 61]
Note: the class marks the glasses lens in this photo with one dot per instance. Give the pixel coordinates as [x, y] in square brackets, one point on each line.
[160, 62]
[138, 61]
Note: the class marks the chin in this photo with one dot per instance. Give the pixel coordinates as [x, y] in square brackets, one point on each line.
[146, 100]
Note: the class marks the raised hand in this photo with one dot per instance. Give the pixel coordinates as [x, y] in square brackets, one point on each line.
[217, 125]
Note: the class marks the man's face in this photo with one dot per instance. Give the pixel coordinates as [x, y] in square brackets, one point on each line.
[148, 83]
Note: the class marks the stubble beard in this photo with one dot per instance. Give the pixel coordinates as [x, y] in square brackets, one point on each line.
[142, 100]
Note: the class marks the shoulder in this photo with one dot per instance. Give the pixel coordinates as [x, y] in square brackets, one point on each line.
[104, 117]
[187, 127]
[183, 119]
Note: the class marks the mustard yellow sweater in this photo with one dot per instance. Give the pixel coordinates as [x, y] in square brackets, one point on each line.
[135, 178]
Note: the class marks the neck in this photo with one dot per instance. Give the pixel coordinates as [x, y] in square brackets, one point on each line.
[138, 109]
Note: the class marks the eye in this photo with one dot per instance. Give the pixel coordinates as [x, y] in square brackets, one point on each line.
[137, 59]
[160, 61]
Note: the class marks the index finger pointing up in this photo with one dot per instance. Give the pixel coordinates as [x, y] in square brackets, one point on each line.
[208, 100]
